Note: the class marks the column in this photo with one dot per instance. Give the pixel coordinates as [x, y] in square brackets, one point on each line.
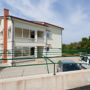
[45, 36]
[35, 51]
[36, 36]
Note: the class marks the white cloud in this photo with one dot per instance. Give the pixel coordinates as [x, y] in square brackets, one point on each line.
[78, 16]
[41, 12]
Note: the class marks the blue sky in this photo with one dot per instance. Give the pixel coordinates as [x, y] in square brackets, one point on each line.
[73, 15]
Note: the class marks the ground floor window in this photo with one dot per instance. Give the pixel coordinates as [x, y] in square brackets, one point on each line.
[18, 51]
[32, 51]
[24, 51]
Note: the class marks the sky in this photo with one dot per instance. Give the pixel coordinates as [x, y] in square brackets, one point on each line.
[72, 15]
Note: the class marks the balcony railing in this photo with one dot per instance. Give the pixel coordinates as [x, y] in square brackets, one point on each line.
[25, 40]
[39, 39]
[29, 40]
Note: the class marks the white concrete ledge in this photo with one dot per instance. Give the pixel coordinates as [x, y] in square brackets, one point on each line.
[61, 81]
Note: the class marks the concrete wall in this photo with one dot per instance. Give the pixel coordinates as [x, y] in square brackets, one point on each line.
[62, 81]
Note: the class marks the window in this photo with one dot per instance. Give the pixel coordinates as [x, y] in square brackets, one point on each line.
[47, 48]
[85, 59]
[9, 32]
[48, 34]
[32, 34]
[18, 51]
[40, 34]
[25, 51]
[25, 33]
[1, 34]
[18, 32]
[32, 51]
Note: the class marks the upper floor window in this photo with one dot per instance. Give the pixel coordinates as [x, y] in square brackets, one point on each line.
[18, 32]
[25, 33]
[1, 34]
[32, 34]
[9, 32]
[40, 34]
[48, 35]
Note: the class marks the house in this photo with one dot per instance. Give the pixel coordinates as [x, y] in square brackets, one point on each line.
[24, 38]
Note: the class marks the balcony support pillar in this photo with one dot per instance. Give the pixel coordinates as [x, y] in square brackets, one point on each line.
[45, 36]
[35, 35]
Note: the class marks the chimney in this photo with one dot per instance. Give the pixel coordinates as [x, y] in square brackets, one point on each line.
[6, 13]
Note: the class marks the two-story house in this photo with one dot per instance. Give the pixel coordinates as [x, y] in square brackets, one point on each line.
[24, 38]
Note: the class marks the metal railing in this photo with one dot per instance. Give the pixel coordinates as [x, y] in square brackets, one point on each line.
[46, 58]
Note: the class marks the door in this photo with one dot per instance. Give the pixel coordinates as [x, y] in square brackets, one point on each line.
[39, 51]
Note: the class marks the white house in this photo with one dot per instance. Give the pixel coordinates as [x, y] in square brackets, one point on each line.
[24, 38]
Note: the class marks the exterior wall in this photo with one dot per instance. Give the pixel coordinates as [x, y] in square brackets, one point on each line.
[55, 41]
[9, 39]
[1, 37]
[1, 32]
[61, 81]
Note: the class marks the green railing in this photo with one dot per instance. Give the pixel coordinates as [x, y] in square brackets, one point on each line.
[45, 56]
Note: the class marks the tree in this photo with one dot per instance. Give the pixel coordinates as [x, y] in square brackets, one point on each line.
[81, 46]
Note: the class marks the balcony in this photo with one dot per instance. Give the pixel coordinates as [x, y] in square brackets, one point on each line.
[40, 36]
[29, 36]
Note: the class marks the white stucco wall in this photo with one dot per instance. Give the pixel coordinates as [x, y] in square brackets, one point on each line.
[1, 37]
[9, 41]
[55, 40]
[1, 30]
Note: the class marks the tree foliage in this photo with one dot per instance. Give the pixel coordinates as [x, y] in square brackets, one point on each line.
[81, 46]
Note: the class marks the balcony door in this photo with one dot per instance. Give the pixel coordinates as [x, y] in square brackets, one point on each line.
[40, 51]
